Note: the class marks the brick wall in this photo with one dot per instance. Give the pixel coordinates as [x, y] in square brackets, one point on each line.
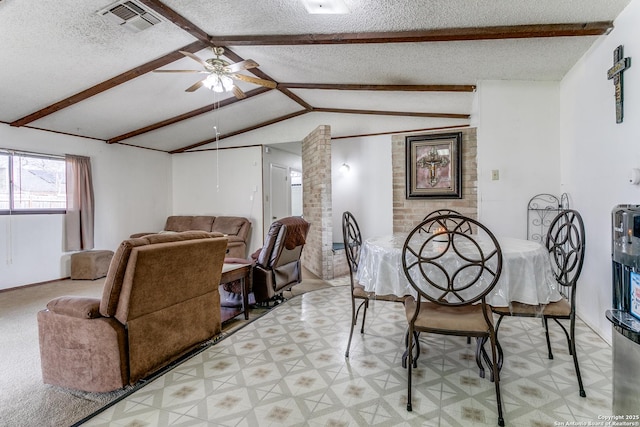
[317, 255]
[407, 213]
[340, 266]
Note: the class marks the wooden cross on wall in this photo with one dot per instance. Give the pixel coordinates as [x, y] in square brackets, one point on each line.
[620, 64]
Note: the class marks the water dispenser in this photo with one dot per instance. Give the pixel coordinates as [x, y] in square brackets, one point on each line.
[625, 311]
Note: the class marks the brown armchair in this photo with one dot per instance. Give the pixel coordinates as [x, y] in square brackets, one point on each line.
[160, 300]
[277, 267]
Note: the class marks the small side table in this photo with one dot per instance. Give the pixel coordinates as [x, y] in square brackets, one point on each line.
[230, 273]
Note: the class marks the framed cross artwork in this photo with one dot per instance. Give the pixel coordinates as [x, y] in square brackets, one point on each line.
[434, 166]
[620, 65]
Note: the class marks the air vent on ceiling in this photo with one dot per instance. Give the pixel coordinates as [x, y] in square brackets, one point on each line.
[130, 14]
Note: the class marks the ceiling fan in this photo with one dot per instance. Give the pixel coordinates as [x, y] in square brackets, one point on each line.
[220, 74]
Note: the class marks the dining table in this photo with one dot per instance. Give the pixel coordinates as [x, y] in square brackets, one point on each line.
[526, 275]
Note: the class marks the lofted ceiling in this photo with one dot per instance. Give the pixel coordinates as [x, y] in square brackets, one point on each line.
[384, 67]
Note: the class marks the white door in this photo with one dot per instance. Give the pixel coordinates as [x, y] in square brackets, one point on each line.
[280, 192]
[296, 193]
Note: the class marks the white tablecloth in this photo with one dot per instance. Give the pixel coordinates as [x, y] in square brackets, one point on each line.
[526, 271]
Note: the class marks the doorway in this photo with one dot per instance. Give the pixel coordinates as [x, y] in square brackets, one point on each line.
[280, 188]
[282, 182]
[284, 197]
[296, 192]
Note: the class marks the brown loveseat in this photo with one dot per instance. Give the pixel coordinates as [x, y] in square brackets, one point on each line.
[160, 300]
[235, 228]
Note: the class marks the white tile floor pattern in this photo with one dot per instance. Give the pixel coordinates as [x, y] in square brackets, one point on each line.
[288, 369]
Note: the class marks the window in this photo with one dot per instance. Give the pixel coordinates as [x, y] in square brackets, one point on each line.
[4, 182]
[32, 183]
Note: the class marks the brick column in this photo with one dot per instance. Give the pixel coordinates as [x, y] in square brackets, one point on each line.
[317, 255]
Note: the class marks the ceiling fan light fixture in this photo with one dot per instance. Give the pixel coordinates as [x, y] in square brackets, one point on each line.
[221, 74]
[325, 7]
[218, 82]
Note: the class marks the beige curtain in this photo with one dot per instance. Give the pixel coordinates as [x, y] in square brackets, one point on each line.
[80, 204]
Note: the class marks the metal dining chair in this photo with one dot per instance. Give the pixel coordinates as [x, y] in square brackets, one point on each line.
[436, 227]
[446, 222]
[352, 244]
[565, 242]
[452, 273]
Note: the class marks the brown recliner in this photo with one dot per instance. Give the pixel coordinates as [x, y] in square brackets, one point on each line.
[160, 301]
[277, 267]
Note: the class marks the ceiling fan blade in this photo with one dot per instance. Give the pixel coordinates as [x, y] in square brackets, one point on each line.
[179, 71]
[238, 93]
[242, 65]
[194, 57]
[255, 80]
[195, 86]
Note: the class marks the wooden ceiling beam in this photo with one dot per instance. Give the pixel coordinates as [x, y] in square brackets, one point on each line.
[259, 73]
[392, 113]
[392, 88]
[177, 19]
[321, 110]
[109, 84]
[240, 131]
[397, 132]
[422, 36]
[185, 116]
[304, 104]
[234, 57]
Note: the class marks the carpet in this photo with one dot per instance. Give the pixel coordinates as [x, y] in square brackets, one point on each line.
[25, 401]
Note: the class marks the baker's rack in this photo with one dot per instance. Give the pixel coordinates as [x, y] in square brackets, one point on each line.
[541, 210]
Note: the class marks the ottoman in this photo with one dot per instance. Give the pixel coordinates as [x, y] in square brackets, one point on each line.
[90, 265]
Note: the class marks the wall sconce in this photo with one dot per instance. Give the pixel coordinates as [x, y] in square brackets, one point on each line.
[344, 169]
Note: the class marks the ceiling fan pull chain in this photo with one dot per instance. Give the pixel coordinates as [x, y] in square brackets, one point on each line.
[216, 103]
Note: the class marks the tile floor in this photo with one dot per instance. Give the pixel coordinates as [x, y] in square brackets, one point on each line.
[288, 369]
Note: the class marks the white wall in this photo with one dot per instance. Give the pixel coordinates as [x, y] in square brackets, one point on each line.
[221, 182]
[367, 190]
[598, 155]
[131, 195]
[518, 135]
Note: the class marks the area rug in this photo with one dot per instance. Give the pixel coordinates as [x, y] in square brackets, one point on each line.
[25, 401]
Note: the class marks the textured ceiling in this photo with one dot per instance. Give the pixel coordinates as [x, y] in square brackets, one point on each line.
[52, 51]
